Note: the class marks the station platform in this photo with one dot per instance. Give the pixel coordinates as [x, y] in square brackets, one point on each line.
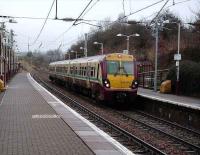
[33, 121]
[188, 102]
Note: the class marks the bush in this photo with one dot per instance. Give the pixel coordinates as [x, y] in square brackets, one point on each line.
[189, 81]
[192, 54]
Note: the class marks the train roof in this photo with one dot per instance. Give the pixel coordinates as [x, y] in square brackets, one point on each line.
[80, 60]
[97, 58]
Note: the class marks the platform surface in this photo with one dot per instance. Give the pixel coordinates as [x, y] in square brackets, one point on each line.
[33, 121]
[21, 132]
[188, 102]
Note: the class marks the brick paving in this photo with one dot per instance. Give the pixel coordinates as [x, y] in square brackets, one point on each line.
[21, 134]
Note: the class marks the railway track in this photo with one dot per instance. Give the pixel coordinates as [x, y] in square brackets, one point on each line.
[135, 144]
[187, 139]
[151, 135]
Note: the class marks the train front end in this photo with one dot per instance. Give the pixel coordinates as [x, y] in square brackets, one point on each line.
[119, 78]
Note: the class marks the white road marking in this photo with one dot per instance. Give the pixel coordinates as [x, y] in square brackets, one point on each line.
[54, 103]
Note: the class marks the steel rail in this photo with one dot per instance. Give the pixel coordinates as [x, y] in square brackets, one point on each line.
[100, 119]
[168, 122]
[179, 140]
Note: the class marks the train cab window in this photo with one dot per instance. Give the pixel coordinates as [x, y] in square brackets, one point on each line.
[113, 67]
[127, 67]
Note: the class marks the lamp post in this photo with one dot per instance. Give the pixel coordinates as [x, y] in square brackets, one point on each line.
[177, 57]
[4, 50]
[178, 53]
[127, 38]
[75, 54]
[156, 58]
[83, 49]
[97, 43]
[85, 45]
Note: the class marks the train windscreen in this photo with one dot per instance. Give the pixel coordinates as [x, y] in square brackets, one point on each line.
[127, 66]
[120, 67]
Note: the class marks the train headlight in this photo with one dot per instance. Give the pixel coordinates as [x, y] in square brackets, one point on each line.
[106, 83]
[134, 84]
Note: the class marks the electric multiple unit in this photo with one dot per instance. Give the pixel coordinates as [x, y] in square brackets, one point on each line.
[110, 77]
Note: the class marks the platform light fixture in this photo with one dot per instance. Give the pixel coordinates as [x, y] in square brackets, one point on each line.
[127, 38]
[97, 43]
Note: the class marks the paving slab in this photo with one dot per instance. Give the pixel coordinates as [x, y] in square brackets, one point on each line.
[28, 125]
[97, 140]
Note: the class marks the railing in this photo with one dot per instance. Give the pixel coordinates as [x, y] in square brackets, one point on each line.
[146, 79]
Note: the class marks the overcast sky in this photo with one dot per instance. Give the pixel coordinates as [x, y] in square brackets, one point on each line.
[51, 38]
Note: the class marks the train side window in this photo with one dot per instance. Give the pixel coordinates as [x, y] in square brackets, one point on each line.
[75, 70]
[98, 71]
[91, 71]
[66, 69]
[62, 69]
[70, 70]
[85, 71]
[81, 71]
[94, 71]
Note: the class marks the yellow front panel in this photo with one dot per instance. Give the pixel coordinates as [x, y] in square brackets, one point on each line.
[126, 81]
[114, 81]
[120, 81]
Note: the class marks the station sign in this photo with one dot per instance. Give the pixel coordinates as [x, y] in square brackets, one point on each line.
[125, 51]
[177, 57]
[177, 63]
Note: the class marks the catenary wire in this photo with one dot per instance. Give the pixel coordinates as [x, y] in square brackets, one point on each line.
[74, 21]
[90, 8]
[118, 19]
[43, 24]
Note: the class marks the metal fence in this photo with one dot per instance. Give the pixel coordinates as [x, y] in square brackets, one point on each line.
[146, 79]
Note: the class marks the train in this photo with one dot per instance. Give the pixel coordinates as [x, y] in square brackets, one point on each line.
[109, 77]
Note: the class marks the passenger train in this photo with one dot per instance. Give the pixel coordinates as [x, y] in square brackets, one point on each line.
[110, 77]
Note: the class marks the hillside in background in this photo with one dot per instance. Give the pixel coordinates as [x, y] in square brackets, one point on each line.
[143, 47]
